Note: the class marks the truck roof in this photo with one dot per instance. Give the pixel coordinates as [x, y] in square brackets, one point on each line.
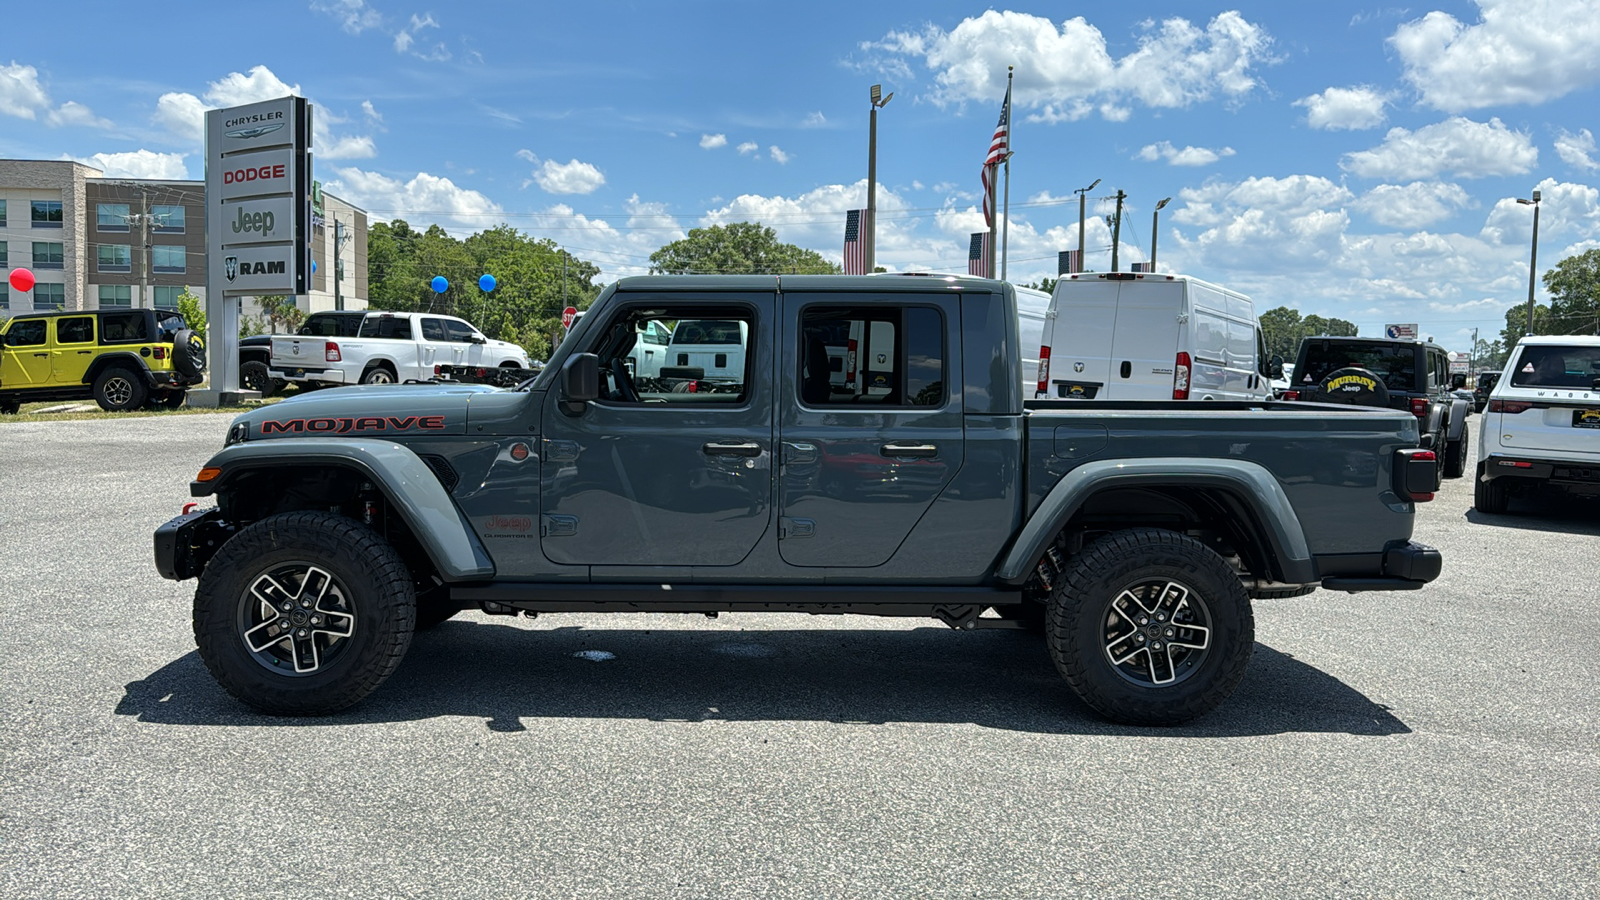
[803, 283]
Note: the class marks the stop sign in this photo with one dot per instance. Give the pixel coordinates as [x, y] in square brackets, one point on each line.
[567, 315]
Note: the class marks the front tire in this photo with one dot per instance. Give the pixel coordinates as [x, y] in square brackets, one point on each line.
[304, 613]
[1455, 454]
[119, 390]
[1492, 496]
[1150, 627]
[255, 376]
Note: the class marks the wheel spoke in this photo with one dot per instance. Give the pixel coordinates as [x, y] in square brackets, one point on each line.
[1162, 671]
[306, 657]
[262, 637]
[1123, 650]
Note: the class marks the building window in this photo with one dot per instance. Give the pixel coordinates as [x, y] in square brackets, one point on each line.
[116, 296]
[168, 260]
[168, 219]
[49, 296]
[166, 296]
[47, 213]
[2, 214]
[112, 258]
[111, 216]
[48, 256]
[5, 252]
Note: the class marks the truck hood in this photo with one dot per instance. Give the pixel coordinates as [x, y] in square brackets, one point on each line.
[370, 411]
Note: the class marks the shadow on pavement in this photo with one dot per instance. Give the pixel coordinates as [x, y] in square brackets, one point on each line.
[1544, 511]
[511, 677]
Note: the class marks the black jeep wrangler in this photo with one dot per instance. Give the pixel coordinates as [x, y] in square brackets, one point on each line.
[1409, 375]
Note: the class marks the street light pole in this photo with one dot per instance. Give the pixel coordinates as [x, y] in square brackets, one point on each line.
[1116, 229]
[870, 254]
[1155, 227]
[1081, 192]
[1533, 255]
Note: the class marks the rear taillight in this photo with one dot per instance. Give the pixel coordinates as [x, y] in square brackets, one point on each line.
[1509, 406]
[1416, 473]
[1419, 407]
[158, 352]
[1044, 369]
[1290, 395]
[1180, 377]
[330, 352]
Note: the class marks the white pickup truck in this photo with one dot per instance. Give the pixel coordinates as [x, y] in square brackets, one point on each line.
[390, 348]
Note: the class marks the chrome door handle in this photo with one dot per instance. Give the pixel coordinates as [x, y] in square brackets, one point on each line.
[913, 451]
[731, 448]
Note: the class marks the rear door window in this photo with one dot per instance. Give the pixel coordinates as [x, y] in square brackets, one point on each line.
[396, 327]
[1557, 367]
[75, 330]
[865, 356]
[1396, 364]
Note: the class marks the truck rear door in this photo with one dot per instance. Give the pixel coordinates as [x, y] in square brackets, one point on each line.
[1145, 344]
[863, 460]
[1078, 329]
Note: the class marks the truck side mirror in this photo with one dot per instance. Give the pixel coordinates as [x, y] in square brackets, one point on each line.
[1457, 382]
[580, 382]
[1275, 367]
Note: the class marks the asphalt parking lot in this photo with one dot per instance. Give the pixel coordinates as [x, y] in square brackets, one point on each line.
[1444, 742]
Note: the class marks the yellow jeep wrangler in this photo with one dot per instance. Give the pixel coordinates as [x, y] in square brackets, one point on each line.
[123, 358]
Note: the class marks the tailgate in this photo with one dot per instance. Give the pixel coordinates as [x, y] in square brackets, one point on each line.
[299, 352]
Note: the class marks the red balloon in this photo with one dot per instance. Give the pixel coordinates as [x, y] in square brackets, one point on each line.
[22, 279]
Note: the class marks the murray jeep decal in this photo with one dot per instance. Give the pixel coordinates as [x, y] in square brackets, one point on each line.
[1352, 382]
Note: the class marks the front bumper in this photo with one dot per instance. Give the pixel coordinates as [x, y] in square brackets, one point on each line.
[327, 376]
[1407, 566]
[183, 545]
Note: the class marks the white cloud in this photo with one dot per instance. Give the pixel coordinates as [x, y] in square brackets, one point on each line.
[713, 141]
[354, 16]
[749, 147]
[139, 164]
[815, 120]
[1565, 209]
[424, 199]
[1520, 51]
[348, 148]
[1413, 205]
[1345, 108]
[1577, 150]
[74, 113]
[1067, 73]
[1457, 146]
[778, 155]
[528, 155]
[20, 92]
[405, 40]
[1188, 156]
[372, 114]
[568, 178]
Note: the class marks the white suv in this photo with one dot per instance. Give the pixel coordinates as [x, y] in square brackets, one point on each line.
[1542, 424]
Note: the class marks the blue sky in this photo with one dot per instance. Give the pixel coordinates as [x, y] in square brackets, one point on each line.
[1350, 160]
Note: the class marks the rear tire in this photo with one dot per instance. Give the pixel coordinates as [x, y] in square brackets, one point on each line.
[378, 375]
[1150, 627]
[10, 406]
[1455, 454]
[348, 607]
[255, 376]
[119, 390]
[1493, 497]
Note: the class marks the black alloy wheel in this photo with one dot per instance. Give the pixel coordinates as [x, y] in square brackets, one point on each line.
[119, 390]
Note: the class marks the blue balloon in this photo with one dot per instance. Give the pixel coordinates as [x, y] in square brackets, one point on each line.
[486, 283]
[440, 284]
[313, 267]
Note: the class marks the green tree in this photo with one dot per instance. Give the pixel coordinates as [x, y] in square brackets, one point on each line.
[1517, 323]
[281, 310]
[739, 248]
[193, 312]
[1048, 285]
[1574, 286]
[1282, 329]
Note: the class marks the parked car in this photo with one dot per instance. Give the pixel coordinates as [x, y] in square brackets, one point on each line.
[1407, 375]
[390, 348]
[1143, 336]
[1541, 427]
[122, 359]
[1133, 534]
[255, 352]
[1485, 386]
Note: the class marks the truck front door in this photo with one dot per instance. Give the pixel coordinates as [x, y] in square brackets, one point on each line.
[662, 472]
[866, 455]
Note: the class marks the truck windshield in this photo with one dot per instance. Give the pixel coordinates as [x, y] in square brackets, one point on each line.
[1396, 364]
[1562, 367]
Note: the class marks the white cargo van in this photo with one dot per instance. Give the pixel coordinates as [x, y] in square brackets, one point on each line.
[1151, 336]
[1032, 307]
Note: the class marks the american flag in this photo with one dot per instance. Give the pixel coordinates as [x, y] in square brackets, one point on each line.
[1068, 263]
[978, 255]
[855, 242]
[1142, 267]
[999, 145]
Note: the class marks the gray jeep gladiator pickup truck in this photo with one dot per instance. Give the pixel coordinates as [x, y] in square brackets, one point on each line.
[875, 456]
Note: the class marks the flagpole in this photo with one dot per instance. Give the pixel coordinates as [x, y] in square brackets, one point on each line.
[1005, 236]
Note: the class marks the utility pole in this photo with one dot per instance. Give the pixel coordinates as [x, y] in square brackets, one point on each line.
[1116, 229]
[1533, 255]
[339, 237]
[1472, 357]
[1081, 192]
[870, 251]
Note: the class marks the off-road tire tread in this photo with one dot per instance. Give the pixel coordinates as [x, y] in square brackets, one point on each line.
[331, 539]
[1490, 497]
[1109, 562]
